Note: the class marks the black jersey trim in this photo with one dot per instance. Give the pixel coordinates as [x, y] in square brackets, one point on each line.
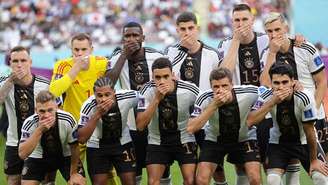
[305, 99]
[116, 51]
[3, 78]
[67, 117]
[179, 57]
[152, 50]
[203, 97]
[89, 106]
[30, 123]
[146, 86]
[318, 70]
[309, 48]
[42, 80]
[266, 94]
[187, 86]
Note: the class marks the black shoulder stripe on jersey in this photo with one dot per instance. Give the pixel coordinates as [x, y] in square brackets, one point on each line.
[66, 117]
[266, 94]
[210, 48]
[246, 88]
[309, 48]
[305, 99]
[3, 78]
[116, 51]
[203, 97]
[179, 57]
[41, 79]
[119, 95]
[89, 106]
[146, 86]
[152, 50]
[30, 123]
[126, 97]
[259, 34]
[189, 87]
[246, 91]
[263, 51]
[166, 50]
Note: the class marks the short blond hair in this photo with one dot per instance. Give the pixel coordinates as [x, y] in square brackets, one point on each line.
[273, 16]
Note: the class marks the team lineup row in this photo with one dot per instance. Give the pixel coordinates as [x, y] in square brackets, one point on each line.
[191, 96]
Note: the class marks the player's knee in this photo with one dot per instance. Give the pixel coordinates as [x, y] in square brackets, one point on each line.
[190, 180]
[274, 179]
[99, 181]
[14, 179]
[153, 181]
[254, 177]
[202, 180]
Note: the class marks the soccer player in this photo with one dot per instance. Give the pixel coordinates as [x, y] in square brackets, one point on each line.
[132, 66]
[48, 143]
[293, 135]
[103, 125]
[225, 107]
[74, 78]
[164, 107]
[306, 63]
[18, 91]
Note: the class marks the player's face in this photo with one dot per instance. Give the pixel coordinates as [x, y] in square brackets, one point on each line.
[46, 110]
[221, 85]
[242, 18]
[20, 60]
[81, 48]
[280, 82]
[163, 76]
[187, 28]
[104, 93]
[276, 29]
[133, 34]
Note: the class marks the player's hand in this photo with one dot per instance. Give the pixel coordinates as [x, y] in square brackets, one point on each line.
[275, 44]
[81, 62]
[130, 47]
[299, 40]
[298, 86]
[77, 179]
[317, 165]
[104, 106]
[241, 32]
[222, 97]
[188, 41]
[281, 95]
[17, 75]
[47, 123]
[162, 90]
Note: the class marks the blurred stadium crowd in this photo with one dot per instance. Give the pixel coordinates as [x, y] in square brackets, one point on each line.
[48, 24]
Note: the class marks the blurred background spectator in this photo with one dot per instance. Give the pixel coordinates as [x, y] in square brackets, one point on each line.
[48, 24]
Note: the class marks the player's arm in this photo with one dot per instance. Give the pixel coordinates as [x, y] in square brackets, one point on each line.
[85, 131]
[144, 117]
[321, 87]
[197, 122]
[258, 112]
[5, 88]
[265, 77]
[27, 145]
[311, 139]
[230, 58]
[75, 177]
[114, 73]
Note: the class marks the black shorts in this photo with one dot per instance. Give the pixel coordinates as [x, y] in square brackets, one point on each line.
[36, 169]
[263, 135]
[184, 154]
[139, 139]
[200, 137]
[279, 155]
[102, 160]
[321, 126]
[13, 165]
[238, 153]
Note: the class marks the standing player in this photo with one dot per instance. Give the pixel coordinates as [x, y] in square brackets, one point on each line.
[132, 66]
[306, 63]
[48, 143]
[18, 92]
[103, 125]
[74, 78]
[293, 135]
[165, 108]
[226, 108]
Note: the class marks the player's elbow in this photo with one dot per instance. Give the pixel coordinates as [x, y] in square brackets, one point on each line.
[22, 153]
[190, 128]
[250, 121]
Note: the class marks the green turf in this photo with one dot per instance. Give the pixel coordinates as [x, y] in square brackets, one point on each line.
[175, 172]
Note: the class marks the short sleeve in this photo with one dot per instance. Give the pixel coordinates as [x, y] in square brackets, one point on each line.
[200, 104]
[309, 113]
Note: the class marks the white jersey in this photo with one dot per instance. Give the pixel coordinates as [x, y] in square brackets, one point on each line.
[64, 130]
[135, 74]
[169, 122]
[228, 123]
[305, 61]
[20, 104]
[194, 68]
[289, 116]
[112, 126]
[248, 66]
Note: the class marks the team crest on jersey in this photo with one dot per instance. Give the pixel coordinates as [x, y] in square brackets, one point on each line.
[189, 73]
[249, 63]
[25, 170]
